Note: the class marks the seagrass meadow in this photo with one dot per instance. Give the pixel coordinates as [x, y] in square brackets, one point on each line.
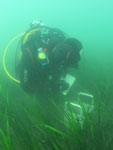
[23, 126]
[59, 122]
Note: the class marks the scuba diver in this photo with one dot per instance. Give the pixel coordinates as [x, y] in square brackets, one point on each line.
[44, 57]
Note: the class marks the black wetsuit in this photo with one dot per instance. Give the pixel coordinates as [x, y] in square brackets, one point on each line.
[60, 50]
[33, 75]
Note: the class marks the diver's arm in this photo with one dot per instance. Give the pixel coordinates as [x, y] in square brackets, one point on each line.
[24, 68]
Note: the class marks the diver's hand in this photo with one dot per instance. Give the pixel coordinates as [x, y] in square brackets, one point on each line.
[62, 86]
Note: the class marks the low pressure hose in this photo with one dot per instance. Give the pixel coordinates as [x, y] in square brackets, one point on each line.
[4, 57]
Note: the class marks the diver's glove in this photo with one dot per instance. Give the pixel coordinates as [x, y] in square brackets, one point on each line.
[63, 86]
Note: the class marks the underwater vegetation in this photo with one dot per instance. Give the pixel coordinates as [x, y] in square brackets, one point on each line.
[24, 127]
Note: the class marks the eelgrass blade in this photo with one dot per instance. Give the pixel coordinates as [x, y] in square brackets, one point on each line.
[1, 88]
[7, 97]
[8, 134]
[2, 146]
[55, 146]
[56, 130]
[4, 139]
